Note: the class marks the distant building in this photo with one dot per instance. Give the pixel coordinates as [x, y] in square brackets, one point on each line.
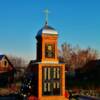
[89, 74]
[6, 71]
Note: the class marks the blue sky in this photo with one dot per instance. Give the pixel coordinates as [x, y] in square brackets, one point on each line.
[77, 21]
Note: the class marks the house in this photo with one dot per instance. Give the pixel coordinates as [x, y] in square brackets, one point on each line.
[6, 71]
[89, 74]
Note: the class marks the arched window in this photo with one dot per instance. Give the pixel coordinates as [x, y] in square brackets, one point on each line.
[51, 81]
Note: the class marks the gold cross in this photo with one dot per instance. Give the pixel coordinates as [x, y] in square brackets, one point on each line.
[46, 11]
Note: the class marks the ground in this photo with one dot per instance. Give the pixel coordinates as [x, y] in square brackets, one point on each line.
[9, 90]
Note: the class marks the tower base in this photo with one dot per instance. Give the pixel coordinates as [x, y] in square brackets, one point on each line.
[53, 98]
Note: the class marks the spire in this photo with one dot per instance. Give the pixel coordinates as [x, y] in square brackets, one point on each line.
[46, 11]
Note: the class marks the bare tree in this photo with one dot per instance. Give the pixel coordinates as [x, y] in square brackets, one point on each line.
[20, 65]
[75, 57]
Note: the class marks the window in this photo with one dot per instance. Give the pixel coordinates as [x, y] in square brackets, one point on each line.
[51, 81]
[5, 63]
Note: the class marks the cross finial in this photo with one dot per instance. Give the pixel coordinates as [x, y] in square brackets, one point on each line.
[46, 11]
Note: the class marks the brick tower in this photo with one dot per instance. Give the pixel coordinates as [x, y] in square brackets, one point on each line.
[49, 73]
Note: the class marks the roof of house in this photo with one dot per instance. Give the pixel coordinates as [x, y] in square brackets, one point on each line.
[1, 56]
[91, 65]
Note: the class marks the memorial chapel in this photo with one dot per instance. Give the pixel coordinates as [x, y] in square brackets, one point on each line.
[49, 73]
